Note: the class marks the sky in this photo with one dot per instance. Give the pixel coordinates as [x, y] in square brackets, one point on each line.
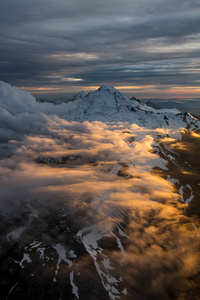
[147, 48]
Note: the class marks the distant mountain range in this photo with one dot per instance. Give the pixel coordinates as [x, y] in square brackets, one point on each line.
[191, 106]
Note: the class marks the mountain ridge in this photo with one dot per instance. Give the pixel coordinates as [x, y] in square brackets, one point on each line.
[107, 104]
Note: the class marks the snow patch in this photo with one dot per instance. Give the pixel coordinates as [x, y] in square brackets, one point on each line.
[16, 233]
[74, 287]
[25, 258]
[191, 196]
[61, 251]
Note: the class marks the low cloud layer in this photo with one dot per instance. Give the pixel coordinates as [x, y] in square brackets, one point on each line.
[80, 202]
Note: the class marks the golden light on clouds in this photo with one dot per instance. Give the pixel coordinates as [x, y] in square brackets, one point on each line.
[195, 135]
[132, 87]
[40, 89]
[71, 79]
[94, 173]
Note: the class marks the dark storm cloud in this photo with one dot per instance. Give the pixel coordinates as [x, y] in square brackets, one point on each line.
[42, 43]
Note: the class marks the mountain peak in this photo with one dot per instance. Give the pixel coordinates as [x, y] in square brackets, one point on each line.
[80, 95]
[107, 88]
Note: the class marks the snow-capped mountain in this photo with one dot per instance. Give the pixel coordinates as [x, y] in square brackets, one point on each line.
[107, 104]
[99, 199]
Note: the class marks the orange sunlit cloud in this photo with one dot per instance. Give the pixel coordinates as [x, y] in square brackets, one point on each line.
[195, 134]
[105, 181]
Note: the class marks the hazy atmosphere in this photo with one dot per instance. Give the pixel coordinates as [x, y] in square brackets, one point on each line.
[147, 48]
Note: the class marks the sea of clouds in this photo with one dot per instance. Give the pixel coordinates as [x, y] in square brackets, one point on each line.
[98, 177]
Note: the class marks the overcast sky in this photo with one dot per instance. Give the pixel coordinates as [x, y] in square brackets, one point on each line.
[146, 48]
